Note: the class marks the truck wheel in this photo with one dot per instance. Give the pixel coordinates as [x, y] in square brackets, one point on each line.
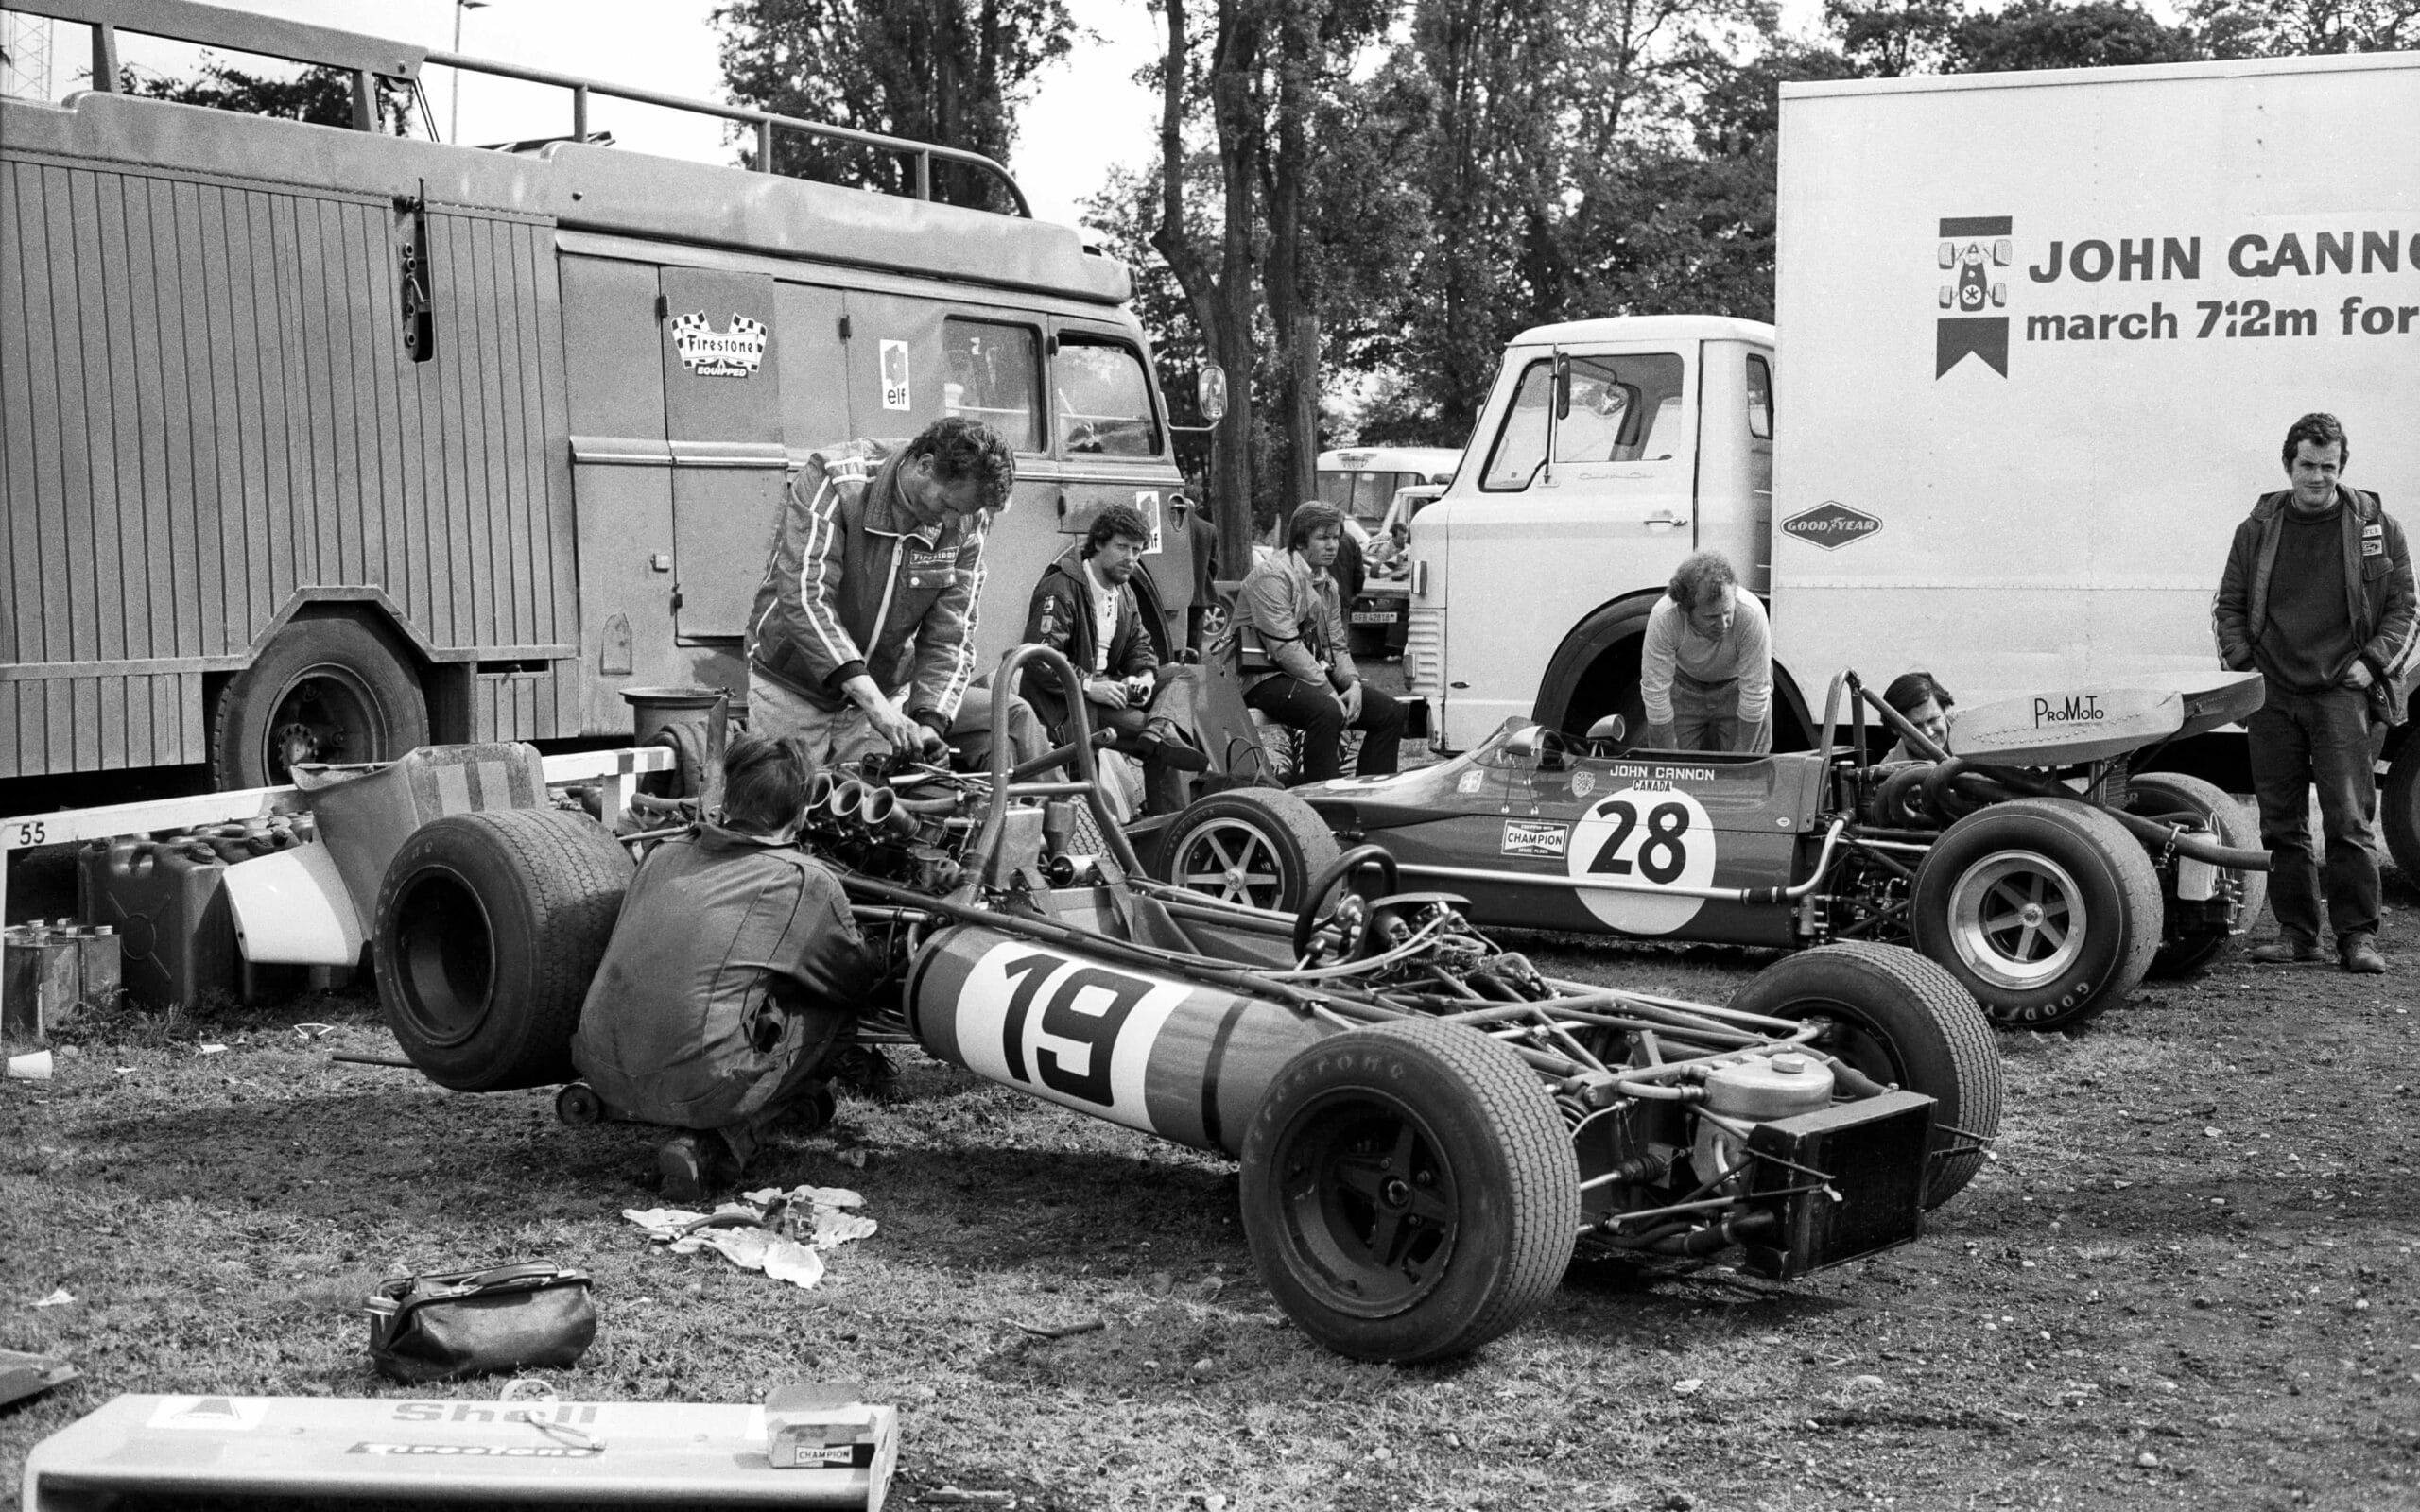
[490, 926]
[2400, 802]
[1902, 1021]
[2192, 935]
[1408, 1191]
[1249, 845]
[2045, 909]
[325, 690]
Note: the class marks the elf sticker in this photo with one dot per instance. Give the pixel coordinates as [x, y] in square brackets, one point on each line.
[895, 376]
[1147, 502]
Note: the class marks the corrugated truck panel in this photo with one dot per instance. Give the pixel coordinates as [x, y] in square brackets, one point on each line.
[20, 398]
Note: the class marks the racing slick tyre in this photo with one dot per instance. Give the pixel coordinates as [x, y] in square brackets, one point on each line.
[2399, 810]
[2046, 909]
[1902, 1021]
[1408, 1191]
[490, 926]
[2192, 935]
[325, 690]
[1249, 845]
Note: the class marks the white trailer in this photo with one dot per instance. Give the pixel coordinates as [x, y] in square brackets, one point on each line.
[2045, 334]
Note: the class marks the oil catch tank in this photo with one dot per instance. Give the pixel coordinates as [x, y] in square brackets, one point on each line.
[1185, 1062]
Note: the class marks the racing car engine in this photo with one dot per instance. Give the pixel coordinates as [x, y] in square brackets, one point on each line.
[1751, 1090]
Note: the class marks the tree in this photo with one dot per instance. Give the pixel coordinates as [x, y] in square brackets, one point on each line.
[1892, 39]
[322, 96]
[948, 72]
[2276, 29]
[2048, 34]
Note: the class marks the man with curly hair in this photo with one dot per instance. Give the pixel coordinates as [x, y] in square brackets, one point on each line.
[862, 637]
[1705, 672]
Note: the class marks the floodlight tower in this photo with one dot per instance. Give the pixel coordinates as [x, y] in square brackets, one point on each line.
[26, 41]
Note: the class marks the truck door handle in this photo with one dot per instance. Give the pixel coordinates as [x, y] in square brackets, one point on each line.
[1668, 518]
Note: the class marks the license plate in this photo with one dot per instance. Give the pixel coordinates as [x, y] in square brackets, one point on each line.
[1374, 616]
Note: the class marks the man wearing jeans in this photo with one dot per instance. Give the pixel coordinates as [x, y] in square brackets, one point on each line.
[1294, 606]
[2318, 595]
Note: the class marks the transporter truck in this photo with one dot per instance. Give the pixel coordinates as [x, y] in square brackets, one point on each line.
[2039, 339]
[318, 444]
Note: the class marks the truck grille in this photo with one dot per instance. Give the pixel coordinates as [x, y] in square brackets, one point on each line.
[1424, 654]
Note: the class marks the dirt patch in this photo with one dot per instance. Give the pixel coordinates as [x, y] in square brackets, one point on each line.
[2185, 1278]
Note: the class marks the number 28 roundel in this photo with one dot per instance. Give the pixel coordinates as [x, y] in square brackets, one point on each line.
[1652, 839]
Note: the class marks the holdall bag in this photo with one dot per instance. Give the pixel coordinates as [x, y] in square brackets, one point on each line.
[470, 1322]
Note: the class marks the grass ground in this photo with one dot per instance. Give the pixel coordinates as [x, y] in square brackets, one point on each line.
[2185, 1280]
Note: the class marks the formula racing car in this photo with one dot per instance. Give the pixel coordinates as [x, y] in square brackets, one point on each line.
[1427, 1125]
[2032, 858]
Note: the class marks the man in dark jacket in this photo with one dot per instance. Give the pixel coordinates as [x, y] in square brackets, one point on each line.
[734, 966]
[2318, 595]
[862, 637]
[1085, 608]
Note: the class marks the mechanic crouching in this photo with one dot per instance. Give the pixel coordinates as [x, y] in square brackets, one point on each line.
[733, 969]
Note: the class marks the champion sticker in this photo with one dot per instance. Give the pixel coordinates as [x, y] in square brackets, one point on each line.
[1527, 838]
[734, 352]
[895, 376]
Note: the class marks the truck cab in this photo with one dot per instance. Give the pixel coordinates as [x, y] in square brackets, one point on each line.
[1607, 452]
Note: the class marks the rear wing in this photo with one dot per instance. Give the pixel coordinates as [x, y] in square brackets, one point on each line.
[369, 59]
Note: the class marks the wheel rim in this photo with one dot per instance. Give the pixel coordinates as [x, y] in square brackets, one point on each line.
[1368, 1203]
[444, 956]
[324, 712]
[1214, 619]
[2017, 919]
[1231, 860]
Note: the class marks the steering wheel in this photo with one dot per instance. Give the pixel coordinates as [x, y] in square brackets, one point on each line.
[1307, 919]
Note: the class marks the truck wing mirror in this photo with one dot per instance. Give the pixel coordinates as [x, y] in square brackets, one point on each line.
[1562, 387]
[1210, 391]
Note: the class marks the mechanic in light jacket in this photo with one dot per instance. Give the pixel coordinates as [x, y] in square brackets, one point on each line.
[1293, 605]
[1706, 670]
[733, 968]
[862, 637]
[2317, 596]
[1087, 607]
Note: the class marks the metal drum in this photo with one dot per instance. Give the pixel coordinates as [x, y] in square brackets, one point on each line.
[1187, 1062]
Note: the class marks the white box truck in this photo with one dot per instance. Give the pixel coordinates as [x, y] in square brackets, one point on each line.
[2045, 334]
[2040, 338]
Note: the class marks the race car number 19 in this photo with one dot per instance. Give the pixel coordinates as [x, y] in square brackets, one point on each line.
[1644, 840]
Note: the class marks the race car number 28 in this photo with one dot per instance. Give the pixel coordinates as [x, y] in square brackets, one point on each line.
[1645, 840]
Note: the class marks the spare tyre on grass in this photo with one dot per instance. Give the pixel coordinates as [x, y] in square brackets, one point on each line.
[490, 926]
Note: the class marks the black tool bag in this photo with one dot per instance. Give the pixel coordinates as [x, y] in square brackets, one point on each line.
[473, 1322]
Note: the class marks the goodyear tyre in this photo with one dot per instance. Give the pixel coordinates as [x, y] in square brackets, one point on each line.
[1259, 845]
[1408, 1191]
[1903, 1020]
[2046, 909]
[324, 690]
[489, 927]
[2194, 933]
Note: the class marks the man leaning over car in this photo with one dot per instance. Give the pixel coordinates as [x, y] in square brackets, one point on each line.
[2318, 595]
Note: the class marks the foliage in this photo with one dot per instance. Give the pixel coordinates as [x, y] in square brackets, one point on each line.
[2277, 28]
[2047, 34]
[949, 72]
[322, 96]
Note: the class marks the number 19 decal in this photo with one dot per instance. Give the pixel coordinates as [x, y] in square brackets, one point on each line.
[1063, 1028]
[1644, 841]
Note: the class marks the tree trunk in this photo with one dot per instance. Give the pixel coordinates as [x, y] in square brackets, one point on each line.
[1293, 267]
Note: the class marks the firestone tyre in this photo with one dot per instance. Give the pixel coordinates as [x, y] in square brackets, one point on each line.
[2193, 933]
[489, 928]
[324, 690]
[2046, 909]
[1408, 1191]
[1902, 1021]
[1259, 845]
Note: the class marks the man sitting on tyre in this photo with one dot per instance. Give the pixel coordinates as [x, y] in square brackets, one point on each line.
[1084, 608]
[2318, 595]
[861, 641]
[733, 968]
[1293, 603]
[1705, 670]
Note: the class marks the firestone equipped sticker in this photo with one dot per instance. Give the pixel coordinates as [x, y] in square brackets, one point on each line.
[711, 354]
[1648, 840]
